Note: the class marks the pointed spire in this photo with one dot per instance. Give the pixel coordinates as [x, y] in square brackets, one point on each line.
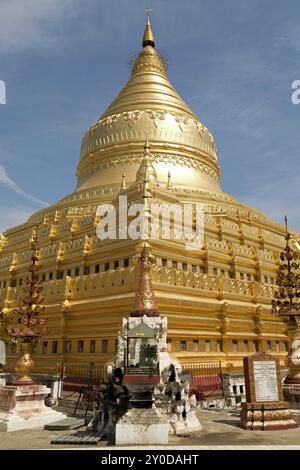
[146, 170]
[286, 223]
[148, 38]
[287, 233]
[123, 184]
[25, 322]
[145, 302]
[169, 183]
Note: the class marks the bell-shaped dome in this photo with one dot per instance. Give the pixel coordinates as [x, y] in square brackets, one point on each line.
[148, 107]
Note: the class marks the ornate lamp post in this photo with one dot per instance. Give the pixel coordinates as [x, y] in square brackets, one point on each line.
[25, 325]
[286, 303]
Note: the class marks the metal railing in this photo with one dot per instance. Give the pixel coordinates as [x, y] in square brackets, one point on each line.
[206, 378]
[85, 374]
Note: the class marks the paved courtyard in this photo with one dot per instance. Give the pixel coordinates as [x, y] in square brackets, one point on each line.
[220, 428]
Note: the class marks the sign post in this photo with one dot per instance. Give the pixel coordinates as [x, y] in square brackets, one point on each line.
[265, 408]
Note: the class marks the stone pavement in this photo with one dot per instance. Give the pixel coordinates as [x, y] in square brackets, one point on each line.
[220, 428]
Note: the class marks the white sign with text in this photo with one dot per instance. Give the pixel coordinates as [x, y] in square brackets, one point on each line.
[265, 380]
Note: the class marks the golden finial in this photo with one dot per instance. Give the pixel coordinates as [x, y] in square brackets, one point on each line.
[148, 38]
[286, 223]
[287, 233]
[145, 302]
[169, 184]
[146, 171]
[123, 184]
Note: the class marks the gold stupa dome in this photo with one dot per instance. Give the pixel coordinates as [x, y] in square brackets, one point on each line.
[148, 107]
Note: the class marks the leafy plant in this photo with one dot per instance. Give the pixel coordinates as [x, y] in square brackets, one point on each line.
[149, 354]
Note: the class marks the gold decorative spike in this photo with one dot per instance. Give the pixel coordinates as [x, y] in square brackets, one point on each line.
[286, 224]
[25, 324]
[148, 38]
[74, 226]
[53, 232]
[286, 300]
[57, 217]
[169, 183]
[46, 220]
[145, 302]
[123, 184]
[3, 241]
[146, 171]
[14, 262]
[87, 246]
[60, 252]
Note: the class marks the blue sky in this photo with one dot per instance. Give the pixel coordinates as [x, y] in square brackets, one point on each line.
[233, 62]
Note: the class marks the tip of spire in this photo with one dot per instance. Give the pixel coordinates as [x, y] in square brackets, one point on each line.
[148, 38]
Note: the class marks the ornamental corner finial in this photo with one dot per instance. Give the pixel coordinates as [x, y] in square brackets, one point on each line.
[145, 301]
[169, 183]
[286, 223]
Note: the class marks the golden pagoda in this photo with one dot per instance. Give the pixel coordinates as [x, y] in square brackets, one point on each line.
[217, 299]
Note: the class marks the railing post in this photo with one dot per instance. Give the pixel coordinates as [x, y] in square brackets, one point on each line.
[221, 377]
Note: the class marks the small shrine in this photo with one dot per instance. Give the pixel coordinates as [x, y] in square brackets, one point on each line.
[142, 349]
[159, 401]
[142, 343]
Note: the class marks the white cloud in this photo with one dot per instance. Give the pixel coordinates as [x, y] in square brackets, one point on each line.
[12, 216]
[33, 23]
[8, 182]
[276, 196]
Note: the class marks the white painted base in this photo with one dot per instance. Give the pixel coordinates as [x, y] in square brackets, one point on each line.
[192, 422]
[141, 427]
[13, 422]
[23, 407]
